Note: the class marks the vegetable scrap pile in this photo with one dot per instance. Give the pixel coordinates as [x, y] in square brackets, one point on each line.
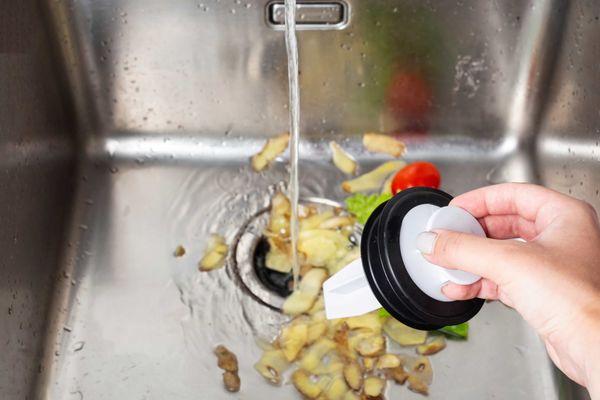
[348, 358]
[323, 241]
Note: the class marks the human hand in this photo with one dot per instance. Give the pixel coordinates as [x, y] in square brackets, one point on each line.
[552, 279]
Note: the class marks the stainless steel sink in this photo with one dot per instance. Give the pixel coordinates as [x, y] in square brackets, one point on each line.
[126, 127]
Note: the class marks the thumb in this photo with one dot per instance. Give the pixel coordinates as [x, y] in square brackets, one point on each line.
[488, 258]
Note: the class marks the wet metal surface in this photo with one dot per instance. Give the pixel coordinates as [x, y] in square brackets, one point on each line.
[126, 128]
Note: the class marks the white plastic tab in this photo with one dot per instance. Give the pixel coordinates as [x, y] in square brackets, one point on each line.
[347, 293]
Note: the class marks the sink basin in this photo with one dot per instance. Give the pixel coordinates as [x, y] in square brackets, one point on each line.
[126, 129]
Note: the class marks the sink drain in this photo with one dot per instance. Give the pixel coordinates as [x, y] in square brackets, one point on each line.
[278, 282]
[250, 249]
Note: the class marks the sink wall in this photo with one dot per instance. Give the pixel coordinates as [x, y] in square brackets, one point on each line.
[37, 173]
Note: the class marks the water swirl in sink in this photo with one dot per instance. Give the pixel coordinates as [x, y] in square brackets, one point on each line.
[220, 199]
[215, 200]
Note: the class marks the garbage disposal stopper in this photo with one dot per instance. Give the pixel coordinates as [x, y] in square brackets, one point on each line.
[393, 274]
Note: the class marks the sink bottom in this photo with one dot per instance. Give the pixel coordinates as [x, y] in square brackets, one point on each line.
[133, 321]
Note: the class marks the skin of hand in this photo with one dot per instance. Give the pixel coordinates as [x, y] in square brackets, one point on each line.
[552, 279]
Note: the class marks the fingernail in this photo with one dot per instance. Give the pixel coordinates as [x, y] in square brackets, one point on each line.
[426, 242]
[444, 286]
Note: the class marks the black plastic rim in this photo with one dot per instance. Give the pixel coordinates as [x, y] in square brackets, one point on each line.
[387, 275]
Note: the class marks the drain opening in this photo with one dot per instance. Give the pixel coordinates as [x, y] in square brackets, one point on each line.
[278, 282]
[249, 258]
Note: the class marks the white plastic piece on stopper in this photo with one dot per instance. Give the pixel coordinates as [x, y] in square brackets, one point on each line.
[348, 294]
[426, 217]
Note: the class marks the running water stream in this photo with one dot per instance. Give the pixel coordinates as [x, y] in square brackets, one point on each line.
[294, 110]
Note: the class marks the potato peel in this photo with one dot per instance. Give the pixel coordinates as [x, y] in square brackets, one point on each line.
[372, 346]
[305, 385]
[303, 299]
[374, 179]
[316, 330]
[215, 254]
[398, 374]
[419, 367]
[417, 385]
[354, 375]
[337, 222]
[342, 160]
[402, 334]
[179, 251]
[271, 365]
[331, 364]
[231, 381]
[226, 360]
[315, 220]
[387, 361]
[278, 256]
[340, 337]
[432, 346]
[273, 148]
[350, 256]
[322, 246]
[386, 188]
[373, 386]
[370, 321]
[350, 395]
[318, 306]
[378, 143]
[292, 339]
[336, 389]
[369, 363]
[420, 373]
[312, 357]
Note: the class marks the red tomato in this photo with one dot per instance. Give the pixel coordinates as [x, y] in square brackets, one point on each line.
[409, 96]
[419, 173]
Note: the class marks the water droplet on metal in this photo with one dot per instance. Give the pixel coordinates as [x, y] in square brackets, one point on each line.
[78, 346]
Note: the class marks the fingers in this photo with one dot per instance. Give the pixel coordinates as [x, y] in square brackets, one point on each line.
[520, 199]
[508, 227]
[484, 289]
[493, 259]
[462, 292]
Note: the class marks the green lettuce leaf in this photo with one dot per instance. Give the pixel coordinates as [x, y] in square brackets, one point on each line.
[460, 331]
[362, 206]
